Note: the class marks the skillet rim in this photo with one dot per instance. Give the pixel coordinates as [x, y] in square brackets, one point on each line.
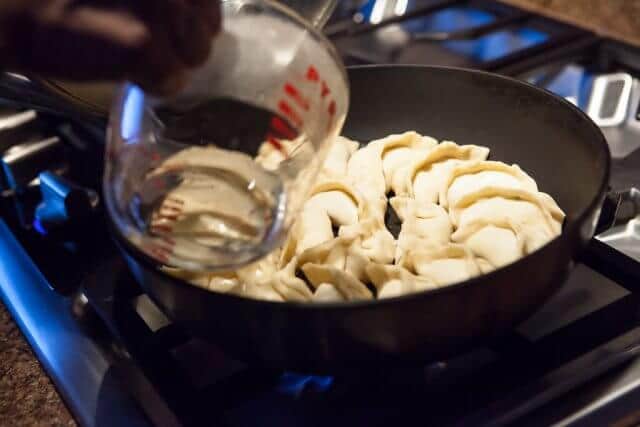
[147, 263]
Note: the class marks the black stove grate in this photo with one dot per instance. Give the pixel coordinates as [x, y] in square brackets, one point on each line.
[363, 42]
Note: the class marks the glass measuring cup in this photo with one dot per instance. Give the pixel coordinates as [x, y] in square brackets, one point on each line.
[210, 179]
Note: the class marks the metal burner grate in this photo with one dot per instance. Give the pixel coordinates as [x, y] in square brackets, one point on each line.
[491, 35]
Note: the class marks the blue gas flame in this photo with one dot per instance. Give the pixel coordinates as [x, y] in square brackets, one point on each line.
[294, 384]
[37, 225]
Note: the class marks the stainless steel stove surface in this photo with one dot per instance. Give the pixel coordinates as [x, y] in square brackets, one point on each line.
[117, 360]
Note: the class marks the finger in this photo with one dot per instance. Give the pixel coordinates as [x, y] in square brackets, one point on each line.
[210, 11]
[118, 27]
[162, 85]
[184, 28]
[162, 68]
[101, 57]
[92, 44]
[96, 45]
[191, 36]
[158, 69]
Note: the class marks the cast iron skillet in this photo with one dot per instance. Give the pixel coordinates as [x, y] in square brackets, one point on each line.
[547, 136]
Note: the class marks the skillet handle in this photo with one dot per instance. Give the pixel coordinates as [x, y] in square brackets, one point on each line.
[613, 211]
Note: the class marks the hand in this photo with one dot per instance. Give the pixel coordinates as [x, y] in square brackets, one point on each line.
[152, 42]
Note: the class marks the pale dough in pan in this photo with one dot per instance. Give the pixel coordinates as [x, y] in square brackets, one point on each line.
[461, 216]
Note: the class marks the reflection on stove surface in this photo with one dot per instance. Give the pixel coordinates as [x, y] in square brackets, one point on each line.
[585, 292]
[610, 98]
[625, 238]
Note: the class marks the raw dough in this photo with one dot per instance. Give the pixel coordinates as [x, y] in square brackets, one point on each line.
[461, 216]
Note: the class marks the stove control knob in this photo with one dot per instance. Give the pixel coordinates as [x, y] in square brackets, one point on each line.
[62, 202]
[22, 163]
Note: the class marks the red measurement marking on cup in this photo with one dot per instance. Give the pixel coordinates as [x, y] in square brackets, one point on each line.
[296, 102]
[312, 74]
[160, 256]
[161, 228]
[276, 144]
[290, 113]
[170, 217]
[158, 252]
[169, 211]
[295, 94]
[281, 129]
[325, 90]
[149, 154]
[162, 245]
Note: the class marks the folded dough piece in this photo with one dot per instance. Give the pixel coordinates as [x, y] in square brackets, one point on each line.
[224, 282]
[346, 253]
[444, 265]
[422, 225]
[371, 239]
[350, 287]
[252, 281]
[333, 252]
[260, 271]
[392, 280]
[469, 177]
[331, 204]
[326, 292]
[265, 293]
[496, 244]
[534, 217]
[383, 165]
[224, 285]
[364, 171]
[235, 286]
[399, 152]
[427, 176]
[288, 285]
[335, 164]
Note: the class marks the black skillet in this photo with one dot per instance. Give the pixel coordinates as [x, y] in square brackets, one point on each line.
[547, 136]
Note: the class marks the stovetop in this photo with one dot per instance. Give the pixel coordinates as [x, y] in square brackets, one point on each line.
[117, 360]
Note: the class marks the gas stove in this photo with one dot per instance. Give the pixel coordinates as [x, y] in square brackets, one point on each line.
[117, 360]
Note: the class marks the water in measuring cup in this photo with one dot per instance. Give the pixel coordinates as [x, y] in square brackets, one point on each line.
[210, 190]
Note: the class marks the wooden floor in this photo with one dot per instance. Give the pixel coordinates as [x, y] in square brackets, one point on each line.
[27, 396]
